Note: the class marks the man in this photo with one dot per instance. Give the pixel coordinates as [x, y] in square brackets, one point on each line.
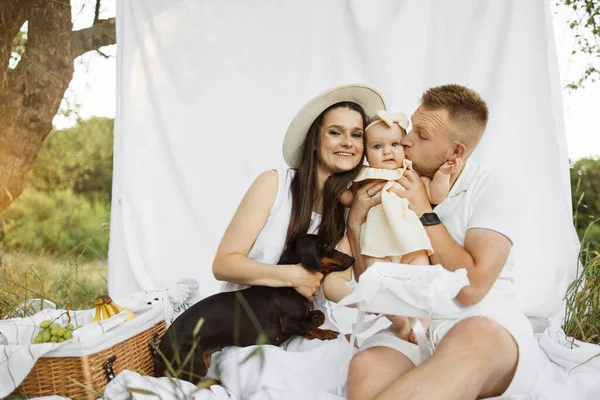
[488, 349]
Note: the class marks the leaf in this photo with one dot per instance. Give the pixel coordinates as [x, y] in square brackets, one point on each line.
[197, 327]
[140, 391]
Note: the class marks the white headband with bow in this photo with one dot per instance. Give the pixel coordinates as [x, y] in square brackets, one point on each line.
[390, 119]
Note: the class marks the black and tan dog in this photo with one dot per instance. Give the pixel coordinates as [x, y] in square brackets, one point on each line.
[231, 318]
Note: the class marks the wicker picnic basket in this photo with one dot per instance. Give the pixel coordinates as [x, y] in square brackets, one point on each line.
[85, 377]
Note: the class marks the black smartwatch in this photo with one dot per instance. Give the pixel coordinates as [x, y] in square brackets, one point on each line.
[429, 219]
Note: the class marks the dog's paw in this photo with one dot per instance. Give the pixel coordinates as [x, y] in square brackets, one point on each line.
[317, 318]
[323, 334]
[329, 334]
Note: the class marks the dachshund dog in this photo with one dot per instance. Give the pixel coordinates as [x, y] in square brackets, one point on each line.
[238, 318]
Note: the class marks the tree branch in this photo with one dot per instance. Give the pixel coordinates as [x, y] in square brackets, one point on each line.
[101, 34]
[96, 12]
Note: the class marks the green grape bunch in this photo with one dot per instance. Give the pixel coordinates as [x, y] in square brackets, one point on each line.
[53, 332]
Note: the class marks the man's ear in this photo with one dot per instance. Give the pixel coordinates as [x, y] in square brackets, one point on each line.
[459, 150]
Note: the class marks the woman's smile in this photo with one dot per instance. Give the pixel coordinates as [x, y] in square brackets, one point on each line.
[344, 154]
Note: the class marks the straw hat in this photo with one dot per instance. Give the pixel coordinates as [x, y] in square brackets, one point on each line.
[365, 96]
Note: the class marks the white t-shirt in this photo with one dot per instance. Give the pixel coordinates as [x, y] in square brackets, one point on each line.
[484, 198]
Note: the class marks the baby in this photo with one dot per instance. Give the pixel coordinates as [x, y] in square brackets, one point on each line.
[393, 232]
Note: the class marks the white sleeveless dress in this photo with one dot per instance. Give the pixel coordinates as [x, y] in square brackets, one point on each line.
[270, 242]
[301, 366]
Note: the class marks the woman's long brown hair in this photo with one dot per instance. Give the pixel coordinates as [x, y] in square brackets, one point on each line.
[305, 191]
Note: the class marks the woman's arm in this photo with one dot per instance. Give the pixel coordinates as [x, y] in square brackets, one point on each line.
[334, 284]
[231, 262]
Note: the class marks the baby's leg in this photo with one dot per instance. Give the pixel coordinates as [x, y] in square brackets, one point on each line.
[372, 260]
[418, 258]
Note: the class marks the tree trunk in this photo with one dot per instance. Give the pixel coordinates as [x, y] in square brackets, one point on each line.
[30, 94]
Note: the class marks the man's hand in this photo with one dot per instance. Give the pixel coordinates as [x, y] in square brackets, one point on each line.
[414, 191]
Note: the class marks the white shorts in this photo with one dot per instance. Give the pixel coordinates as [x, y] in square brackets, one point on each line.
[515, 323]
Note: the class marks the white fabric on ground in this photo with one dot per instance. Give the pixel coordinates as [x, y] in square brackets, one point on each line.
[117, 390]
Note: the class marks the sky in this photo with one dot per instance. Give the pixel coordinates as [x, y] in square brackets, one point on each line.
[94, 82]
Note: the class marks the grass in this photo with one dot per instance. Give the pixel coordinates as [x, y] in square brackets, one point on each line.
[582, 313]
[582, 299]
[61, 280]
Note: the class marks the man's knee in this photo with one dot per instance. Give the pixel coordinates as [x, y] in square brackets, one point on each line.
[378, 361]
[482, 338]
[362, 364]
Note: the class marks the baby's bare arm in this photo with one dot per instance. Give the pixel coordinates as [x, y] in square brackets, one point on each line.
[416, 258]
[372, 260]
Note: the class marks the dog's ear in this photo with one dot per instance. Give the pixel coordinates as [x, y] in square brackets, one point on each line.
[309, 253]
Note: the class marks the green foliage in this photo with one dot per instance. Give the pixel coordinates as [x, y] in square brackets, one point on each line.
[585, 192]
[79, 159]
[60, 223]
[582, 313]
[65, 211]
[585, 23]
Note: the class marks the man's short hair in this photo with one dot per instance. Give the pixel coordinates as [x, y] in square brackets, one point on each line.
[468, 112]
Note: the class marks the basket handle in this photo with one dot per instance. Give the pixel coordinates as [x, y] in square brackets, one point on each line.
[108, 368]
[152, 345]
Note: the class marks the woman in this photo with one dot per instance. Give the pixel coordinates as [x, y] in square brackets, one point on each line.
[324, 150]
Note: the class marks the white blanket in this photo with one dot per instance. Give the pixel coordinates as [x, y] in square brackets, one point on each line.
[298, 373]
[555, 381]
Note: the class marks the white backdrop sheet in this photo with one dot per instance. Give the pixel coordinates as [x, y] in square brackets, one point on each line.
[206, 90]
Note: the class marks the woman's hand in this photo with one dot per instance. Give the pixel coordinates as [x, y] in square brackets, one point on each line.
[364, 199]
[305, 281]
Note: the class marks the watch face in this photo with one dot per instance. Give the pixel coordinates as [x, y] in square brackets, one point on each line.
[430, 219]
